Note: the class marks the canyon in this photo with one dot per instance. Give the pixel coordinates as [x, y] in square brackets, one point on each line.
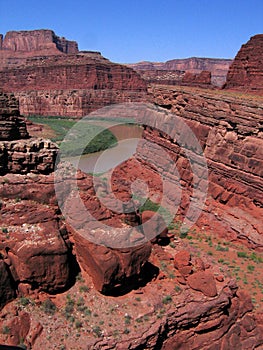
[160, 292]
[194, 65]
[48, 74]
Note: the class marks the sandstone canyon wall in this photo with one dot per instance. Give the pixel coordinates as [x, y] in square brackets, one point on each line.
[246, 72]
[38, 252]
[230, 132]
[18, 153]
[177, 77]
[49, 76]
[195, 65]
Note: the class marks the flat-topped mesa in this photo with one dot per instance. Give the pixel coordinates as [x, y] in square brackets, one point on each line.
[246, 71]
[49, 76]
[217, 66]
[36, 41]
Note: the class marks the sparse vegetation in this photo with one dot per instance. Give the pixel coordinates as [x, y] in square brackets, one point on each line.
[49, 307]
[167, 299]
[78, 324]
[24, 301]
[81, 139]
[83, 288]
[97, 331]
[5, 330]
[242, 254]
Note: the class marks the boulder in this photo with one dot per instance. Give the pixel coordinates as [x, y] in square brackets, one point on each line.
[108, 267]
[204, 282]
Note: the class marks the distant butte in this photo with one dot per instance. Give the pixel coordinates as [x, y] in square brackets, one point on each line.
[35, 42]
[246, 72]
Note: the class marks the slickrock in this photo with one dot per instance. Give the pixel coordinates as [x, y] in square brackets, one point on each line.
[204, 282]
[246, 71]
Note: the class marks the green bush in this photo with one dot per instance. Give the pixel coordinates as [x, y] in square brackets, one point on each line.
[5, 330]
[167, 299]
[24, 301]
[49, 307]
[242, 254]
[97, 331]
[83, 288]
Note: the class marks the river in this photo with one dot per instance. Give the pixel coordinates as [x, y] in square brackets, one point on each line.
[128, 136]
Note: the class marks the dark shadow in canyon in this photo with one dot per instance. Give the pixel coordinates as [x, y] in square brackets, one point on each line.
[148, 273]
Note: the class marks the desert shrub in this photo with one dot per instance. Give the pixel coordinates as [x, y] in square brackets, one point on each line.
[78, 324]
[5, 330]
[83, 288]
[242, 254]
[251, 268]
[24, 301]
[219, 248]
[167, 299]
[49, 307]
[97, 331]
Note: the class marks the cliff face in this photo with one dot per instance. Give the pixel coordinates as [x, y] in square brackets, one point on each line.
[176, 77]
[49, 76]
[230, 132]
[246, 72]
[17, 153]
[36, 42]
[38, 252]
[217, 67]
[70, 72]
[12, 126]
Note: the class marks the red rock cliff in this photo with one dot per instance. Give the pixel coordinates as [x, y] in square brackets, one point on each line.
[246, 72]
[49, 76]
[230, 131]
[217, 67]
[36, 40]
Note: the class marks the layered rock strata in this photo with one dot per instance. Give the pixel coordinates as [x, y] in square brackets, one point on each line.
[50, 76]
[176, 77]
[195, 65]
[12, 125]
[246, 71]
[18, 153]
[230, 133]
[40, 41]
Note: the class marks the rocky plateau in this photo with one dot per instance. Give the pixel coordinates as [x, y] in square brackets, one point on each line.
[160, 72]
[63, 289]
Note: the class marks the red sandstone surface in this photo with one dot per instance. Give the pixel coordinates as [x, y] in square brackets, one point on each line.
[195, 65]
[246, 71]
[34, 43]
[163, 295]
[49, 76]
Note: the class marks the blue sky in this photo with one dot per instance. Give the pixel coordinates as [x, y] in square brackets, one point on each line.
[137, 30]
